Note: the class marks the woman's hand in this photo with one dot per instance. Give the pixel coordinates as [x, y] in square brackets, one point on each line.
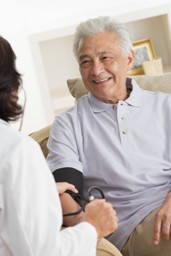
[63, 186]
[102, 216]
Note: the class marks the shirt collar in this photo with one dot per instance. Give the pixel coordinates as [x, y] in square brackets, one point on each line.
[134, 99]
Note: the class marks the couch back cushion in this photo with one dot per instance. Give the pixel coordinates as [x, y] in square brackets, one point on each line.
[160, 83]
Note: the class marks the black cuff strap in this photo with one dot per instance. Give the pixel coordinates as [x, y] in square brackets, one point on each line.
[70, 175]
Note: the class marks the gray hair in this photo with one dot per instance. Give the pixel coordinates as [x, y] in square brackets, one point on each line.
[99, 25]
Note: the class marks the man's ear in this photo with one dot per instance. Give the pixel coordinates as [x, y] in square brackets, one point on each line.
[131, 57]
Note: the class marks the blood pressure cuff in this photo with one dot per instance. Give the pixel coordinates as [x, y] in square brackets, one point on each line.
[70, 175]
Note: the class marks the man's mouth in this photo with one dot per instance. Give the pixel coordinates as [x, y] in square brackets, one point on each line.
[101, 80]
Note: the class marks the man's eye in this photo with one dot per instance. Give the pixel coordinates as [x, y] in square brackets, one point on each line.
[85, 63]
[106, 58]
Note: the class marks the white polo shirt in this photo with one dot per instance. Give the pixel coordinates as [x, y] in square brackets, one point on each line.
[123, 149]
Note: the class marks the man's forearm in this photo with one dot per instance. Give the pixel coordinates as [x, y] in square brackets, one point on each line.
[69, 206]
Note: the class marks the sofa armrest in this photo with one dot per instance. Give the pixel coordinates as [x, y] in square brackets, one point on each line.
[41, 136]
[105, 248]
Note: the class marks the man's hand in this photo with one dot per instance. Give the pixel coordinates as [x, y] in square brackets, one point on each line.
[162, 225]
[63, 186]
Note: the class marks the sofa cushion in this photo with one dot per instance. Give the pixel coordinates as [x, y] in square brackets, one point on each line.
[153, 83]
[161, 83]
[76, 87]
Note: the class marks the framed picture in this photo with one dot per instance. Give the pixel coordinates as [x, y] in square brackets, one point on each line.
[144, 51]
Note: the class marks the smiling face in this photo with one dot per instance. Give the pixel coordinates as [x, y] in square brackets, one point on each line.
[103, 66]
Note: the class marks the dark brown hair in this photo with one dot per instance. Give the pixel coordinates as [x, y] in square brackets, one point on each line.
[10, 81]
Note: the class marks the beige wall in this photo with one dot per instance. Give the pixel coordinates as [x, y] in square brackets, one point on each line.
[36, 27]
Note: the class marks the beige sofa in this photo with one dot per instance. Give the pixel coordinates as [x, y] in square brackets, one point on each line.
[154, 83]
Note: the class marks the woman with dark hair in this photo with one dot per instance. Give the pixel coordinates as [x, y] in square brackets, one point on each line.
[30, 209]
[10, 81]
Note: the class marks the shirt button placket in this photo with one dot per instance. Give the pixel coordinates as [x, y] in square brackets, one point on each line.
[122, 123]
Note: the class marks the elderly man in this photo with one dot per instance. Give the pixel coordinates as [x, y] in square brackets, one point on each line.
[117, 137]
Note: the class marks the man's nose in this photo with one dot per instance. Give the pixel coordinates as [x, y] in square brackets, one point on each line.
[97, 68]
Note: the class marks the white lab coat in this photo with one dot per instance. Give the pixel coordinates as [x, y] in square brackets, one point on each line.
[30, 211]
